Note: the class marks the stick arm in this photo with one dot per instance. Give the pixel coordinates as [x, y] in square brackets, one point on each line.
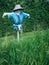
[5, 14]
[28, 15]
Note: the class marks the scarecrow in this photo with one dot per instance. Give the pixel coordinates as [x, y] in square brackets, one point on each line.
[17, 16]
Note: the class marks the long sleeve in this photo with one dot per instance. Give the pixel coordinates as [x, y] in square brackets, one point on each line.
[25, 15]
[9, 15]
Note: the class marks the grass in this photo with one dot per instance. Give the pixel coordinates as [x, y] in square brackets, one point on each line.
[33, 49]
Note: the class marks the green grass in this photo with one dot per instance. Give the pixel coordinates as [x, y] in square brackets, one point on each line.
[33, 49]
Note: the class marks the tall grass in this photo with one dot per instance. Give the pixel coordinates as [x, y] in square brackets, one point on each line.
[33, 49]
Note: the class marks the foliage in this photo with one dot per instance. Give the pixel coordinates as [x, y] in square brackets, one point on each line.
[38, 10]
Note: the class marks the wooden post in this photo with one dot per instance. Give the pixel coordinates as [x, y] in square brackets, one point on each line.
[18, 36]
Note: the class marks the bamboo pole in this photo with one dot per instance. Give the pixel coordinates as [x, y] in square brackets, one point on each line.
[18, 36]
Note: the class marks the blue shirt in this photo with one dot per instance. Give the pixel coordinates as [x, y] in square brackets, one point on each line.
[18, 19]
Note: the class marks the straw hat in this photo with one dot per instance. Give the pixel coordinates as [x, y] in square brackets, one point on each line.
[17, 7]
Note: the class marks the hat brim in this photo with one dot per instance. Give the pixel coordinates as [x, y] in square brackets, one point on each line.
[17, 9]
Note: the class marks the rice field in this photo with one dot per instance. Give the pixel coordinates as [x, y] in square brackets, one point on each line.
[33, 49]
